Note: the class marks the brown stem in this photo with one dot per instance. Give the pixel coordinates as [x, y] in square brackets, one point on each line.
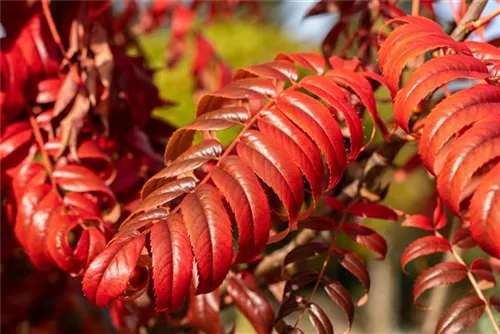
[462, 31]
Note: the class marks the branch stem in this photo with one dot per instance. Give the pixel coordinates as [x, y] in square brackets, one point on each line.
[462, 31]
[475, 285]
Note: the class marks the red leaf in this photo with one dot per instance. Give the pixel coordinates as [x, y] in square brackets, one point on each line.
[77, 178]
[184, 163]
[279, 70]
[204, 312]
[329, 91]
[485, 213]
[319, 319]
[460, 315]
[483, 51]
[305, 252]
[219, 119]
[251, 301]
[495, 302]
[444, 273]
[237, 182]
[367, 237]
[355, 266]
[483, 270]
[418, 221]
[14, 137]
[210, 233]
[410, 41]
[60, 226]
[172, 259]
[361, 87]
[166, 193]
[142, 221]
[373, 210]
[82, 204]
[424, 246]
[311, 61]
[339, 294]
[429, 77]
[284, 133]
[315, 119]
[462, 238]
[88, 250]
[450, 117]
[274, 169]
[334, 203]
[108, 275]
[468, 154]
[38, 231]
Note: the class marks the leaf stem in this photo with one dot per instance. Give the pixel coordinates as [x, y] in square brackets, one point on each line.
[475, 285]
[335, 236]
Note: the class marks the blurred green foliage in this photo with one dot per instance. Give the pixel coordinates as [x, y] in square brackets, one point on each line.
[238, 42]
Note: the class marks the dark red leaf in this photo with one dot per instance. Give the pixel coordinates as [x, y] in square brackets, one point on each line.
[251, 301]
[462, 238]
[495, 302]
[339, 294]
[483, 270]
[355, 266]
[424, 246]
[204, 312]
[319, 319]
[367, 237]
[460, 315]
[441, 274]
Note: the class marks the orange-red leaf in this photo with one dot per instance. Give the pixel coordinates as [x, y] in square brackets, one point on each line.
[274, 169]
[315, 119]
[432, 75]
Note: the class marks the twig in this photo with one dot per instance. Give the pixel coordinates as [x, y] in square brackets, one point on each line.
[331, 248]
[439, 296]
[462, 31]
[483, 21]
[415, 7]
[477, 289]
[275, 259]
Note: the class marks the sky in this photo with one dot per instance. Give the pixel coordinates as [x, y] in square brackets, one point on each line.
[315, 28]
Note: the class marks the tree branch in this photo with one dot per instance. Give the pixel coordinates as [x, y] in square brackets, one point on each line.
[462, 31]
